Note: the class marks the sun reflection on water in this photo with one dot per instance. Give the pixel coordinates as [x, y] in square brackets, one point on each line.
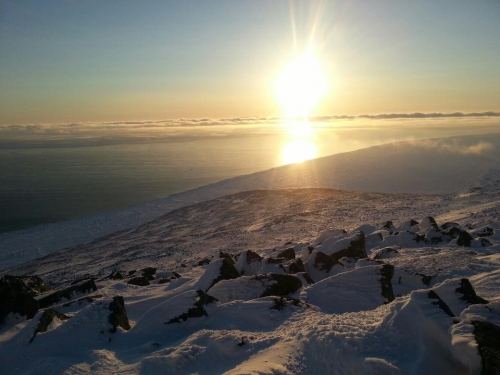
[300, 146]
[298, 150]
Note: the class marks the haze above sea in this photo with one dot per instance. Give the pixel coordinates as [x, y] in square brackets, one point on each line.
[55, 172]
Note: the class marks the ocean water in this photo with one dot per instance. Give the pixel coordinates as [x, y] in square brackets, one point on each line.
[52, 174]
[43, 185]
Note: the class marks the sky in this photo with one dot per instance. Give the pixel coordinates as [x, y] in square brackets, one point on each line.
[76, 61]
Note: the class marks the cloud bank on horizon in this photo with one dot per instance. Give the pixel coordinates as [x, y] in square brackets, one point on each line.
[270, 120]
[365, 129]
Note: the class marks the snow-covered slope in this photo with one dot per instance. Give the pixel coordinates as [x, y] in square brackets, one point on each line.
[440, 166]
[388, 290]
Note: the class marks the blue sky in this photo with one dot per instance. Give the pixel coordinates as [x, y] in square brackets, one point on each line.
[63, 61]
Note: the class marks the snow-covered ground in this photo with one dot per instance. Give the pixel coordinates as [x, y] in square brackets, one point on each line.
[309, 281]
[442, 166]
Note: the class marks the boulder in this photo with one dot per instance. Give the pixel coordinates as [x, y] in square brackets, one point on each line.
[487, 336]
[139, 281]
[17, 298]
[47, 318]
[203, 262]
[70, 293]
[464, 239]
[387, 272]
[118, 315]
[249, 263]
[297, 266]
[227, 256]
[149, 272]
[217, 270]
[198, 310]
[284, 284]
[288, 254]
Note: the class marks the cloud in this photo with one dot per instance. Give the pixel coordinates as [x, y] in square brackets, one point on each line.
[206, 122]
[452, 146]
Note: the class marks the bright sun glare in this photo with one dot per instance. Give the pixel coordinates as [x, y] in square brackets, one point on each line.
[301, 85]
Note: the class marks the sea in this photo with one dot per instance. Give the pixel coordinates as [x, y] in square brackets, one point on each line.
[57, 179]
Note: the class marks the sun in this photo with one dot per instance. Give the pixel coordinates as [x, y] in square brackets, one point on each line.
[301, 85]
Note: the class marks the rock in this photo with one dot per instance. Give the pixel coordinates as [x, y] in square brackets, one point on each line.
[440, 303]
[427, 223]
[464, 239]
[249, 263]
[35, 284]
[297, 266]
[139, 280]
[17, 298]
[351, 247]
[70, 293]
[285, 284]
[118, 316]
[203, 262]
[116, 276]
[323, 262]
[47, 318]
[227, 271]
[387, 272]
[449, 225]
[288, 254]
[197, 311]
[227, 256]
[487, 336]
[130, 273]
[388, 225]
[433, 235]
[163, 281]
[178, 276]
[485, 242]
[426, 280]
[149, 272]
[469, 294]
[486, 232]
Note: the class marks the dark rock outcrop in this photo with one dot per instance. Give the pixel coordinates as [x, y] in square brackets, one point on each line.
[252, 256]
[227, 256]
[47, 318]
[464, 239]
[70, 293]
[197, 311]
[297, 266]
[323, 262]
[284, 285]
[356, 249]
[139, 281]
[387, 272]
[288, 254]
[116, 275]
[469, 294]
[118, 316]
[440, 303]
[227, 272]
[16, 297]
[487, 336]
[203, 262]
[149, 272]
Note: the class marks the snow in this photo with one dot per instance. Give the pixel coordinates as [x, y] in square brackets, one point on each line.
[341, 324]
